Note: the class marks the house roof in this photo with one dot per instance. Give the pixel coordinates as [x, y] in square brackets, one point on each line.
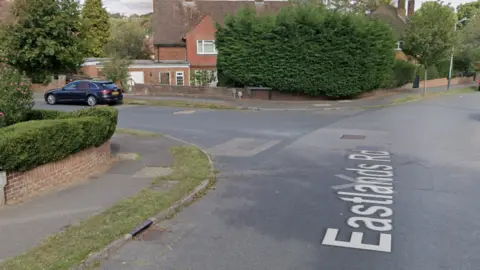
[172, 19]
[4, 10]
[389, 15]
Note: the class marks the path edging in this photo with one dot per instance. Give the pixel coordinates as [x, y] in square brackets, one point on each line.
[114, 246]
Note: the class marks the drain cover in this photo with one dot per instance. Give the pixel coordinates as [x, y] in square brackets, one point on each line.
[352, 137]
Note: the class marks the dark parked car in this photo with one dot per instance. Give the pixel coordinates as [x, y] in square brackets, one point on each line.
[86, 91]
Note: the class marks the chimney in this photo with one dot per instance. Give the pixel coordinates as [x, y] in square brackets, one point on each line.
[411, 8]
[401, 8]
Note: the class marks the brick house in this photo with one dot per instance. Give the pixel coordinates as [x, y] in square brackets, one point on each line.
[397, 18]
[184, 30]
[183, 39]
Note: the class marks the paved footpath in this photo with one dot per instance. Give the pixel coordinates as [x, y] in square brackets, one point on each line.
[310, 105]
[24, 225]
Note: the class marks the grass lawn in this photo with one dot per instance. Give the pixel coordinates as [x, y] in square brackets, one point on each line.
[178, 103]
[68, 248]
[417, 97]
[137, 132]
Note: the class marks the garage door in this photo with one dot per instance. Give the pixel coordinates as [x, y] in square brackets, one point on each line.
[137, 77]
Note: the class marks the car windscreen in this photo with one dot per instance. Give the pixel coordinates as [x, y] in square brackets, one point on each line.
[110, 86]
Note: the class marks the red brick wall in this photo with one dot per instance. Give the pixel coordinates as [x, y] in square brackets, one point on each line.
[56, 175]
[91, 71]
[151, 75]
[170, 53]
[205, 30]
[216, 92]
[37, 87]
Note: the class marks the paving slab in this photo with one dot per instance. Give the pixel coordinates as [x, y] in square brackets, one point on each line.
[23, 226]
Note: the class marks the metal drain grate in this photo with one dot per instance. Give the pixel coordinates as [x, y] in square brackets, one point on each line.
[352, 137]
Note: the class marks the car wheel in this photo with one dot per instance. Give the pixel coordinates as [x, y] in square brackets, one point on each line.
[91, 101]
[51, 99]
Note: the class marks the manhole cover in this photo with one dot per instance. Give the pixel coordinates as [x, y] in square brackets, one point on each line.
[352, 137]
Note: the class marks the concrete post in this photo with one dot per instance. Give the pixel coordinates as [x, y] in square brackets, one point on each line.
[3, 183]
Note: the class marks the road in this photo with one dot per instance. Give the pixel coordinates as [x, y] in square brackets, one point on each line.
[383, 189]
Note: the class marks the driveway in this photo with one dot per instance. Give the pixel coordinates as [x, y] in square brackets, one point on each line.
[394, 188]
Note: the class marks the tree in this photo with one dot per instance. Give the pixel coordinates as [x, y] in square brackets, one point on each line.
[469, 41]
[430, 36]
[127, 40]
[96, 27]
[44, 38]
[468, 10]
[16, 93]
[116, 70]
[357, 6]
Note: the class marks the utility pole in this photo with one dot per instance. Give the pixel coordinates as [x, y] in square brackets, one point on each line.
[451, 56]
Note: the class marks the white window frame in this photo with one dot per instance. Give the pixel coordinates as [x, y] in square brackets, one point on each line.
[399, 45]
[180, 74]
[169, 78]
[201, 47]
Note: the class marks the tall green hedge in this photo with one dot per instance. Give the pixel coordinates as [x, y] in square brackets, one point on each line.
[52, 136]
[306, 49]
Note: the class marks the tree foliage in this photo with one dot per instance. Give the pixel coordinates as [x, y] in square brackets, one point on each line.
[16, 95]
[358, 6]
[430, 36]
[44, 38]
[96, 29]
[469, 40]
[116, 70]
[306, 49]
[468, 10]
[127, 40]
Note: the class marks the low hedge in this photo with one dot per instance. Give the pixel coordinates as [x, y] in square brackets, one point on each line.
[404, 72]
[51, 136]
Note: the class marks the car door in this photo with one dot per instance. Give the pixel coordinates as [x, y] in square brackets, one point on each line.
[81, 91]
[66, 94]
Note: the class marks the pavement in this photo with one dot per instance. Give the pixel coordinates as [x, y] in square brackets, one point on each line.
[274, 105]
[23, 226]
[392, 188]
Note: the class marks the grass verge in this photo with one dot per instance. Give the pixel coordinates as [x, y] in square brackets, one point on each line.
[68, 248]
[179, 104]
[418, 97]
[137, 132]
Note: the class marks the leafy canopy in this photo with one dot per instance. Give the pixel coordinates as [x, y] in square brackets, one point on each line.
[96, 27]
[127, 39]
[430, 36]
[44, 38]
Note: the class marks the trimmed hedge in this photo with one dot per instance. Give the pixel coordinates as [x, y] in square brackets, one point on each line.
[404, 72]
[51, 136]
[306, 49]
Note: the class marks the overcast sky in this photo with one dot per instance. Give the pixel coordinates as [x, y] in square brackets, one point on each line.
[129, 7]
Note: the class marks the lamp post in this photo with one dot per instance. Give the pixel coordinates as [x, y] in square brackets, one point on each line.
[451, 56]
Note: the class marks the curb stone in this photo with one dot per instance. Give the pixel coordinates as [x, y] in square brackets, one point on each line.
[114, 246]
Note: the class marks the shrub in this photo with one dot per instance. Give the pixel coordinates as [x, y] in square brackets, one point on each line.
[16, 95]
[432, 72]
[26, 145]
[404, 72]
[306, 49]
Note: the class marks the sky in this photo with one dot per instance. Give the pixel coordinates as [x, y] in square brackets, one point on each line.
[129, 7]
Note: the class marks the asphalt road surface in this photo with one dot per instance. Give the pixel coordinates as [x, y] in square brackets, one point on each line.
[394, 188]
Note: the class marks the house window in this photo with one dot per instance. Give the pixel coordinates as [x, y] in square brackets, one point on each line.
[179, 77]
[164, 78]
[206, 47]
[399, 45]
[203, 77]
